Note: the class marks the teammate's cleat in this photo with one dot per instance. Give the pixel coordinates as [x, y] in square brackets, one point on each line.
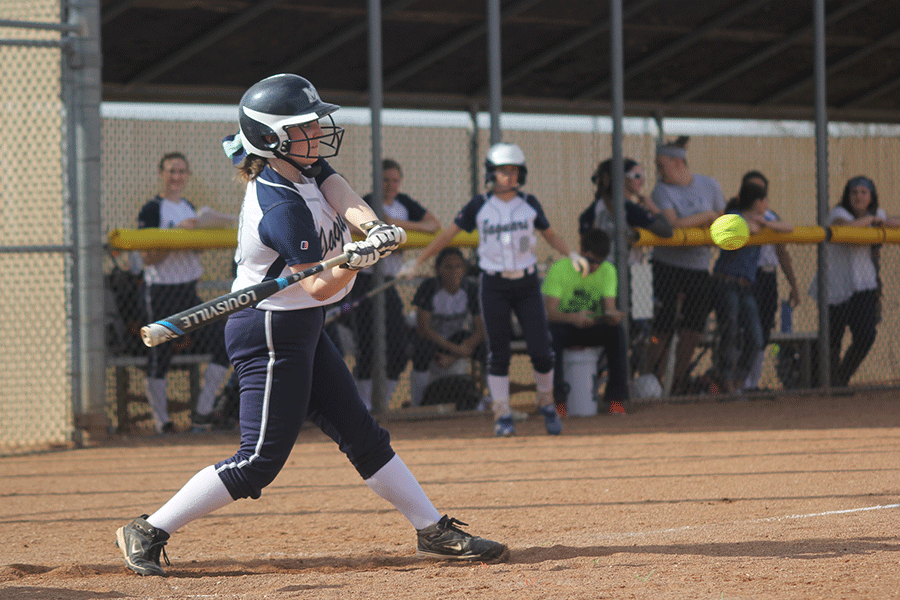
[201, 423]
[445, 540]
[141, 543]
[552, 421]
[616, 408]
[504, 426]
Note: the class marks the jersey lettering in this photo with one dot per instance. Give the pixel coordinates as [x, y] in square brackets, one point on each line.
[333, 238]
[505, 227]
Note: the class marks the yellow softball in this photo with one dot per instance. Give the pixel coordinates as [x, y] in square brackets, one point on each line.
[729, 232]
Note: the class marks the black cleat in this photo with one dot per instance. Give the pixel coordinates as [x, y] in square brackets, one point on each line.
[141, 543]
[445, 540]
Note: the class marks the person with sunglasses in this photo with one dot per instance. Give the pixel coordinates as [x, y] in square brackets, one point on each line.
[640, 211]
[582, 313]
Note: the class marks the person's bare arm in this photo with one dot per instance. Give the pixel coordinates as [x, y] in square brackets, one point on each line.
[698, 220]
[580, 319]
[787, 266]
[428, 224]
[347, 202]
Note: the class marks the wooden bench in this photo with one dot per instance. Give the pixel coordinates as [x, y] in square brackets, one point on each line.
[187, 362]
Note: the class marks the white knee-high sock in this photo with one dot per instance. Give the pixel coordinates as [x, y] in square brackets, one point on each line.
[156, 397]
[498, 386]
[201, 495]
[418, 381]
[544, 384]
[395, 483]
[755, 374]
[390, 386]
[213, 379]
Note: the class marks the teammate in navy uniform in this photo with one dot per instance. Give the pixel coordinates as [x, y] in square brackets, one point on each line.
[401, 210]
[171, 286]
[297, 212]
[507, 219]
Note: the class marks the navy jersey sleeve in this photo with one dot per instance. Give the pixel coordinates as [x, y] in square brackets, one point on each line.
[541, 222]
[288, 228]
[424, 295]
[637, 216]
[325, 173]
[586, 219]
[466, 219]
[150, 214]
[415, 210]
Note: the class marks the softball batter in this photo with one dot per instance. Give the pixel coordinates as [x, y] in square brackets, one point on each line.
[297, 212]
[507, 220]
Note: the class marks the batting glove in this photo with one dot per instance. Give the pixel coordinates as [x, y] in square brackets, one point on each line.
[386, 238]
[580, 263]
[362, 255]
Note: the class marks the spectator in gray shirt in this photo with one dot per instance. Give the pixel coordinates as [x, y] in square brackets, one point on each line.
[681, 274]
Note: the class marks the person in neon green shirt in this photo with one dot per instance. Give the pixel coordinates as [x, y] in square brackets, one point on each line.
[582, 313]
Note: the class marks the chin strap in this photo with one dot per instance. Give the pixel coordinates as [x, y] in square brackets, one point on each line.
[305, 170]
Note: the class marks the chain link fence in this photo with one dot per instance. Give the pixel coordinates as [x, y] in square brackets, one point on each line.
[36, 222]
[438, 173]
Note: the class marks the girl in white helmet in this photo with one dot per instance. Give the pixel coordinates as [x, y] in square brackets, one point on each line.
[507, 220]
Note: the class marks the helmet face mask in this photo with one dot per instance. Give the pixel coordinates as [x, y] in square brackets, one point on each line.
[330, 139]
[276, 104]
[504, 154]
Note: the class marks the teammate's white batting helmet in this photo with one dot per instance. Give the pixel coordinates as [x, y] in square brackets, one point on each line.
[504, 154]
[278, 102]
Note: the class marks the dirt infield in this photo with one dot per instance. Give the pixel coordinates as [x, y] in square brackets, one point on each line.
[789, 498]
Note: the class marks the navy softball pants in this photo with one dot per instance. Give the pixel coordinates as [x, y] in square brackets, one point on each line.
[289, 370]
[499, 299]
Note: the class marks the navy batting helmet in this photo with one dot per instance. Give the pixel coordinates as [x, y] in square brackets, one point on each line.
[278, 102]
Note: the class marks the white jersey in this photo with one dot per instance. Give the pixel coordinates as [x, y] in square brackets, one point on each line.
[506, 230]
[179, 266]
[850, 266]
[284, 223]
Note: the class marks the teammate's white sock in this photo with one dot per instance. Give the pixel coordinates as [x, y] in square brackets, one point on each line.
[201, 495]
[390, 386]
[395, 483]
[498, 386]
[544, 384]
[156, 397]
[213, 379]
[365, 391]
[755, 374]
[418, 381]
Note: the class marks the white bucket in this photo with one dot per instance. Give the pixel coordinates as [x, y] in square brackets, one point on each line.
[580, 372]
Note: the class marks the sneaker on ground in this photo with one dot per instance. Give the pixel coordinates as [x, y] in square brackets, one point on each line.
[552, 421]
[504, 426]
[445, 540]
[141, 543]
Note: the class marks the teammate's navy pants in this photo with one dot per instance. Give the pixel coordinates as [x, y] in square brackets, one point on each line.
[289, 370]
[499, 299]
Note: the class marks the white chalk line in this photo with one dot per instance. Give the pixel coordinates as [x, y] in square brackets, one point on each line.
[748, 522]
